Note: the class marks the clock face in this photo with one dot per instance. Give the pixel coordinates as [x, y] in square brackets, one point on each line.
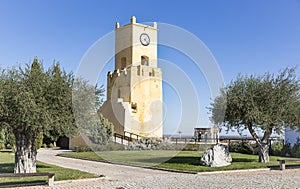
[145, 39]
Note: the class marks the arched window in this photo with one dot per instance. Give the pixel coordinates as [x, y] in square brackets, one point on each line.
[145, 60]
[123, 62]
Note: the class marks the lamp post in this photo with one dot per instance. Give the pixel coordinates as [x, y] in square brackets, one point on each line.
[179, 132]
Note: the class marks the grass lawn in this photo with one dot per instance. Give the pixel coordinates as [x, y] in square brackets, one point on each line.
[7, 166]
[184, 160]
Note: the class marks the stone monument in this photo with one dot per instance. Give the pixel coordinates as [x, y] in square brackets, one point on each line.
[216, 156]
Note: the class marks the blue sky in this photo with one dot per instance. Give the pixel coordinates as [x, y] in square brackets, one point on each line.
[248, 37]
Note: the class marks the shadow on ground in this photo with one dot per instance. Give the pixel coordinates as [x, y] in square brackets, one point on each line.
[173, 160]
[7, 168]
[14, 184]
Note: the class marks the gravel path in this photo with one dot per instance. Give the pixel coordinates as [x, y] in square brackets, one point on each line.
[119, 176]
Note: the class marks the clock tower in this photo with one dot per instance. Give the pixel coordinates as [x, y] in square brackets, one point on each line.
[134, 88]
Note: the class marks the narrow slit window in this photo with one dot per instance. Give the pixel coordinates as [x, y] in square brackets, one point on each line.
[123, 62]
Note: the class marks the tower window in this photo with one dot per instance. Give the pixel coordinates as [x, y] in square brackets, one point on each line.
[134, 107]
[123, 62]
[145, 60]
[119, 93]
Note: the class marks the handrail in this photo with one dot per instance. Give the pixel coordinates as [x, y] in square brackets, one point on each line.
[127, 138]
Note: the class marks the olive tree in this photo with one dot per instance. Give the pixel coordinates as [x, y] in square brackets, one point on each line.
[34, 102]
[268, 103]
[95, 129]
[23, 110]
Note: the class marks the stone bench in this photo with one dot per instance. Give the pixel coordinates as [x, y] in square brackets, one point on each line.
[49, 174]
[283, 161]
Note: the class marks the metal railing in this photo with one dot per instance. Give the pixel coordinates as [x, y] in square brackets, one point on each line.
[126, 137]
[185, 140]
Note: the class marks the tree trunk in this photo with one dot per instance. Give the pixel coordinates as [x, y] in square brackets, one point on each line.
[263, 144]
[25, 156]
[263, 153]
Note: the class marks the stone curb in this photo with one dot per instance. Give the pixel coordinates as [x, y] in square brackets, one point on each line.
[233, 171]
[79, 180]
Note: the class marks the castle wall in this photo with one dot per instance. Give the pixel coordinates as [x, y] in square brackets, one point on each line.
[147, 95]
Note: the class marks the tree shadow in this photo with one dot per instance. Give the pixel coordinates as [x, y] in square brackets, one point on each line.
[153, 160]
[185, 160]
[43, 166]
[7, 168]
[173, 160]
[243, 160]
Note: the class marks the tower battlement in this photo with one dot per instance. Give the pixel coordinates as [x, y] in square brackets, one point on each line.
[136, 82]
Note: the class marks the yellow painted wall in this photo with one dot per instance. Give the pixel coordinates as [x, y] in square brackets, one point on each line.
[134, 93]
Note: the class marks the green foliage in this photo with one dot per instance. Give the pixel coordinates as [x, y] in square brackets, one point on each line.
[94, 127]
[10, 141]
[39, 140]
[111, 146]
[244, 147]
[100, 132]
[35, 102]
[59, 104]
[267, 102]
[277, 148]
[295, 150]
[286, 150]
[82, 149]
[22, 100]
[262, 101]
[281, 149]
[2, 139]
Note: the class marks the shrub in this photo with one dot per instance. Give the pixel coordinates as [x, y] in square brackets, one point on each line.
[108, 147]
[286, 150]
[2, 146]
[39, 140]
[100, 132]
[152, 144]
[281, 149]
[82, 149]
[295, 150]
[277, 148]
[243, 147]
[51, 145]
[164, 144]
[7, 139]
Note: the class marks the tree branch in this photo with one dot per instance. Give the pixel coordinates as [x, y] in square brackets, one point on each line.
[253, 133]
[267, 133]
